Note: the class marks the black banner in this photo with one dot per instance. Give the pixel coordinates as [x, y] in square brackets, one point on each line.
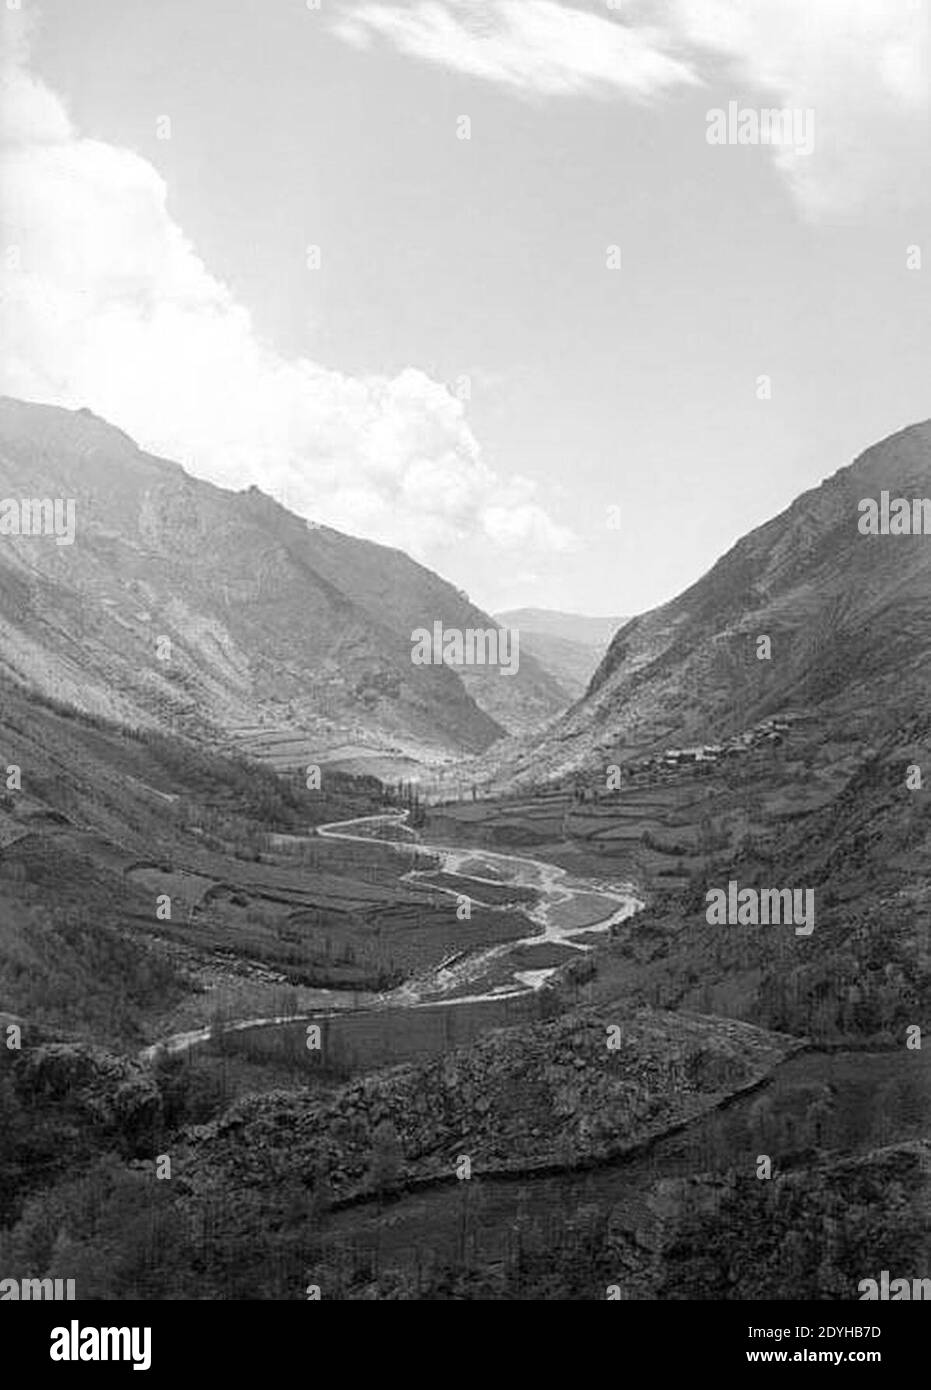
[249, 1339]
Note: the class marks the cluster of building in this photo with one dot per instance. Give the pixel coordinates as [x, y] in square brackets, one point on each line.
[768, 731]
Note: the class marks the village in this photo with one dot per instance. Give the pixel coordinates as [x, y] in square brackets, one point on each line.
[768, 732]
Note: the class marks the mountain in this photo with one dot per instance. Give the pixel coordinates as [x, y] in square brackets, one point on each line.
[848, 616]
[629, 1166]
[184, 606]
[568, 627]
[568, 645]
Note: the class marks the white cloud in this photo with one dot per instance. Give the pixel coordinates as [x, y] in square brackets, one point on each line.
[532, 45]
[110, 306]
[861, 65]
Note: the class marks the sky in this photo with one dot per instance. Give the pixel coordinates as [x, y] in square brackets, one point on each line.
[468, 277]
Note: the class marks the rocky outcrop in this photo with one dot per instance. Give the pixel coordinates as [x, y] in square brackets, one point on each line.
[92, 1088]
[563, 1093]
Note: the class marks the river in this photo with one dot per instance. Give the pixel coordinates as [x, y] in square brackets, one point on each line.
[566, 912]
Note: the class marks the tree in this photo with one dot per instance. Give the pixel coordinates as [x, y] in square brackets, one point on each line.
[387, 1158]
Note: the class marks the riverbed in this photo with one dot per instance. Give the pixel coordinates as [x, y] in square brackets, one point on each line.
[470, 991]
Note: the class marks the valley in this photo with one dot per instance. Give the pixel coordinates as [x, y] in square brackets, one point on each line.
[440, 1038]
[465, 675]
[450, 1020]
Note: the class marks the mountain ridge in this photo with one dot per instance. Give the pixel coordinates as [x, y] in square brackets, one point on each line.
[291, 637]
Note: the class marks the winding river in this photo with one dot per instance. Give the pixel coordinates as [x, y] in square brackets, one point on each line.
[566, 912]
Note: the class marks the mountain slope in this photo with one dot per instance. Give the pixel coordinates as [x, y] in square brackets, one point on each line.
[848, 617]
[295, 638]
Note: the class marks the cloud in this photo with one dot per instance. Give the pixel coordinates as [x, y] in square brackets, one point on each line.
[861, 65]
[536, 46]
[107, 304]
